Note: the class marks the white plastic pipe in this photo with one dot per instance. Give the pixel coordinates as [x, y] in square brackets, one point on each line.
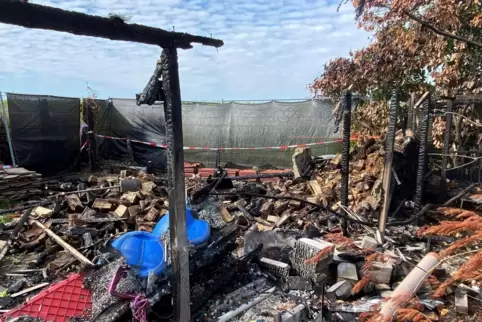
[410, 284]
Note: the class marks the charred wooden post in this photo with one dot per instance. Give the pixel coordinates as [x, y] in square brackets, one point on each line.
[153, 90]
[91, 135]
[29, 15]
[176, 186]
[345, 150]
[387, 172]
[422, 152]
[448, 133]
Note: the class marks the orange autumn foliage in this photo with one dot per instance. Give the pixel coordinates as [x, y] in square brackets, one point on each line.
[320, 255]
[471, 223]
[416, 45]
[367, 277]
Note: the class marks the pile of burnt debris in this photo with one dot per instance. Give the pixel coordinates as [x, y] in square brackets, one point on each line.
[276, 251]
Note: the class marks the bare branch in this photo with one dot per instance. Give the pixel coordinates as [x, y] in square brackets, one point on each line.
[441, 32]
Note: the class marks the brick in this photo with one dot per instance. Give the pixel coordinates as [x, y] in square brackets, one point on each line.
[278, 269]
[347, 271]
[152, 214]
[461, 301]
[132, 197]
[369, 243]
[122, 211]
[340, 290]
[305, 249]
[101, 204]
[296, 314]
[273, 219]
[134, 210]
[266, 209]
[74, 202]
[226, 215]
[147, 187]
[381, 272]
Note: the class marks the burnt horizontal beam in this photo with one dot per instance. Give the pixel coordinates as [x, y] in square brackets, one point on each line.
[36, 16]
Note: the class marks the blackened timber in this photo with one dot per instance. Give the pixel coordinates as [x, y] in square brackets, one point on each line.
[176, 187]
[91, 135]
[152, 91]
[345, 150]
[448, 132]
[36, 16]
[387, 171]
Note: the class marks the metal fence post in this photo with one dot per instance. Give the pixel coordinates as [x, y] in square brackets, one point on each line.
[7, 131]
[91, 135]
[422, 152]
[448, 133]
[387, 171]
[345, 150]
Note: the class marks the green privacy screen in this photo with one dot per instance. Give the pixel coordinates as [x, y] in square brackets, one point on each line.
[221, 125]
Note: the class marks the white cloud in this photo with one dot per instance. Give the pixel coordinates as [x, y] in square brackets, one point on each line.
[273, 49]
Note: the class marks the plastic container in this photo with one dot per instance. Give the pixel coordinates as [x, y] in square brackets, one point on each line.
[143, 251]
[198, 231]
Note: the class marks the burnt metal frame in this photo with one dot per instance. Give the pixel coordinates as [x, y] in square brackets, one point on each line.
[43, 17]
[346, 101]
[446, 148]
[387, 172]
[422, 154]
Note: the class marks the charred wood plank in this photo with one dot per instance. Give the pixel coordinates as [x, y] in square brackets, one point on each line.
[176, 185]
[37, 16]
[153, 90]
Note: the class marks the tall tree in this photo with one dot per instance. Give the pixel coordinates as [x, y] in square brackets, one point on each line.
[416, 44]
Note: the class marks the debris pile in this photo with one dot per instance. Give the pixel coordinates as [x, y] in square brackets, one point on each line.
[67, 231]
[18, 183]
[276, 251]
[365, 176]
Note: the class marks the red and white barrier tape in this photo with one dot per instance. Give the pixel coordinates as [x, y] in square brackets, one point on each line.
[84, 145]
[283, 147]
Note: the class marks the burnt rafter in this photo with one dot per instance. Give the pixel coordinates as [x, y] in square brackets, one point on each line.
[36, 16]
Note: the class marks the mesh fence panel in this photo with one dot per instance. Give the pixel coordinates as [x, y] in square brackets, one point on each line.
[228, 125]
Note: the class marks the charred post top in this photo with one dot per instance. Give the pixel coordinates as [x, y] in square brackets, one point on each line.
[36, 16]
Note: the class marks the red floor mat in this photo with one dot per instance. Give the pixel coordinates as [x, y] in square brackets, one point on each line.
[61, 301]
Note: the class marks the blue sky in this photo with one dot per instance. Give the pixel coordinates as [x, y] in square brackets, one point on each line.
[273, 49]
